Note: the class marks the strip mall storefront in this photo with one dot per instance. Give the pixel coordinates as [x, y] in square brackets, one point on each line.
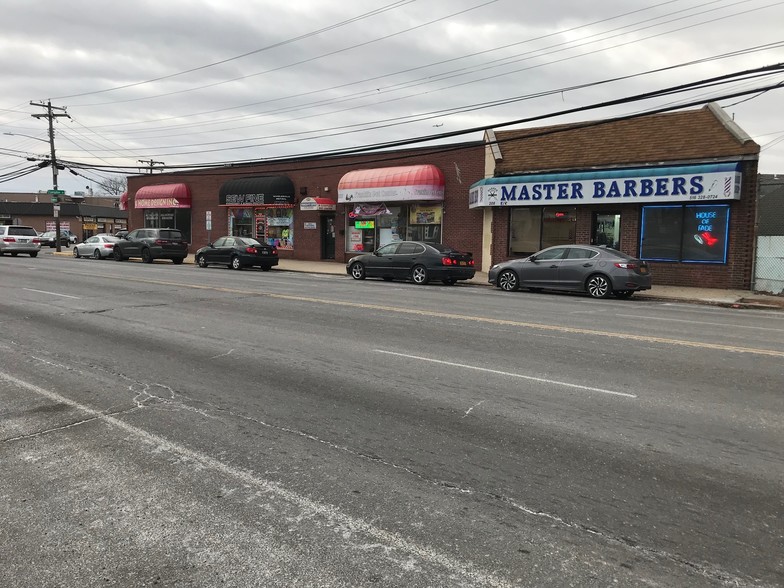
[262, 208]
[392, 204]
[165, 206]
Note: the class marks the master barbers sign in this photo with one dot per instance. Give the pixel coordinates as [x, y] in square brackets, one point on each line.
[644, 185]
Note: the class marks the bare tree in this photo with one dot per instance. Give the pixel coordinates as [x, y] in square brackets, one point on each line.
[114, 185]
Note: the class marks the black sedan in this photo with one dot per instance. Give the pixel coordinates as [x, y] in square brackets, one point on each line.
[49, 238]
[413, 260]
[237, 253]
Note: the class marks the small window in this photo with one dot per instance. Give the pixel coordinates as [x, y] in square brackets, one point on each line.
[581, 253]
[554, 253]
[390, 249]
[410, 249]
[220, 242]
[23, 231]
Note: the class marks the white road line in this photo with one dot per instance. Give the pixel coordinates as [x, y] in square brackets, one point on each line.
[351, 525]
[513, 375]
[52, 293]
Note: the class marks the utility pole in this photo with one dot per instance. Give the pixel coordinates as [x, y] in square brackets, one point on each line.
[49, 114]
[151, 163]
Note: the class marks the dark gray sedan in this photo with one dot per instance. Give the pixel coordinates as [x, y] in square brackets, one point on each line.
[237, 253]
[599, 271]
[416, 260]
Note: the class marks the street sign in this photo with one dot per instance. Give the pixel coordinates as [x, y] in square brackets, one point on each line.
[60, 192]
[209, 220]
[56, 208]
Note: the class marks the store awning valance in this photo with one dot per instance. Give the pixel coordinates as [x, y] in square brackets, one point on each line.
[257, 191]
[392, 184]
[163, 196]
[124, 201]
[317, 204]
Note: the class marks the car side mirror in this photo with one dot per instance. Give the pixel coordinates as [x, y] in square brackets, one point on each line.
[376, 253]
[532, 258]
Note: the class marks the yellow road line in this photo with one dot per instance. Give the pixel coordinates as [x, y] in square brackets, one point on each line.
[481, 319]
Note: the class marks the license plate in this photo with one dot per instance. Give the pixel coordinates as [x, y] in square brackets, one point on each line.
[24, 240]
[462, 263]
[643, 270]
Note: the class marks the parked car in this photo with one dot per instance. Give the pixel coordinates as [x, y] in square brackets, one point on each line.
[49, 238]
[152, 244]
[416, 260]
[597, 270]
[237, 253]
[72, 238]
[97, 247]
[16, 239]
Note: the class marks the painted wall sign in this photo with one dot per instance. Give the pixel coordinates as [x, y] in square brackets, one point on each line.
[645, 186]
[310, 225]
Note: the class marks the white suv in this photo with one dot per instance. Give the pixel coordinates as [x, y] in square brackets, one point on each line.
[16, 239]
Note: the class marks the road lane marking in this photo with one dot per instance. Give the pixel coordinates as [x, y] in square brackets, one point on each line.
[698, 322]
[511, 374]
[463, 317]
[52, 293]
[351, 525]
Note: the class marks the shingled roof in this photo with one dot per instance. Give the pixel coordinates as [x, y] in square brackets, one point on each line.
[703, 134]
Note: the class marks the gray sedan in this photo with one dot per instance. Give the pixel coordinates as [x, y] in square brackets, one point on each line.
[599, 271]
[97, 247]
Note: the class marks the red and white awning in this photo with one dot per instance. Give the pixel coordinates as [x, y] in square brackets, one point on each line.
[163, 196]
[392, 184]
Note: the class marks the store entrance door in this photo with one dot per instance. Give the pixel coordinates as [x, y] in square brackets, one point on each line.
[328, 237]
[607, 229]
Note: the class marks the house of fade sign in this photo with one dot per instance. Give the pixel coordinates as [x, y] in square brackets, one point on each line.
[694, 183]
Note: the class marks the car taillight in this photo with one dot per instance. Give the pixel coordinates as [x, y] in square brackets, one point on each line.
[9, 240]
[471, 262]
[160, 242]
[36, 240]
[274, 251]
[108, 246]
[626, 265]
[251, 250]
[448, 261]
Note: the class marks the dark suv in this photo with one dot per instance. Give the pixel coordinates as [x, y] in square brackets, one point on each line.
[152, 244]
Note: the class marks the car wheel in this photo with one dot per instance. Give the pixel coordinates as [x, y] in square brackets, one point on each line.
[146, 255]
[235, 263]
[357, 271]
[76, 252]
[266, 268]
[623, 294]
[32, 254]
[508, 281]
[201, 261]
[449, 281]
[177, 260]
[96, 254]
[598, 286]
[419, 275]
[117, 254]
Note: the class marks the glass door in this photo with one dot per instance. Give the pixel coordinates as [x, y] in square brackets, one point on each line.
[607, 229]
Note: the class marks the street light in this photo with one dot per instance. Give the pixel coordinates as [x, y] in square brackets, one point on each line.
[28, 136]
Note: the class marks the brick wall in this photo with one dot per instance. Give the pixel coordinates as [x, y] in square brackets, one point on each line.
[462, 166]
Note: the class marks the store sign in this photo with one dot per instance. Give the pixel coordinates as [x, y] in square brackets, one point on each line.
[310, 226]
[365, 224]
[424, 215]
[317, 204]
[90, 226]
[644, 186]
[391, 194]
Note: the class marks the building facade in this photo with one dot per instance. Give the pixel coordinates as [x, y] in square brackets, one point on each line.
[322, 209]
[676, 189]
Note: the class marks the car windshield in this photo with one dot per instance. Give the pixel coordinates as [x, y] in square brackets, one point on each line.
[617, 253]
[441, 248]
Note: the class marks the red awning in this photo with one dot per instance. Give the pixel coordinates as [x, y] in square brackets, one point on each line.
[124, 201]
[388, 184]
[163, 196]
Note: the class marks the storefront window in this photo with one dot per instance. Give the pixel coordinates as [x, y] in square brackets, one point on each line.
[279, 227]
[241, 222]
[685, 233]
[532, 229]
[369, 227]
[169, 218]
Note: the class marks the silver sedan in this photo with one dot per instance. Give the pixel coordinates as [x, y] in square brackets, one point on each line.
[97, 247]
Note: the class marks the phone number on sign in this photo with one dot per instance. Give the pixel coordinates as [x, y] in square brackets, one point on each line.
[704, 197]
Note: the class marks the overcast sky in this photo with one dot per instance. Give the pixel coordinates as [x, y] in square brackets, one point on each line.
[214, 81]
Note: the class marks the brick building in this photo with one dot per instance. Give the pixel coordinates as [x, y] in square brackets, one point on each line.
[322, 209]
[676, 189]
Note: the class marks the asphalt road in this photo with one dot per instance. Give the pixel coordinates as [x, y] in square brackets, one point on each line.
[175, 426]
